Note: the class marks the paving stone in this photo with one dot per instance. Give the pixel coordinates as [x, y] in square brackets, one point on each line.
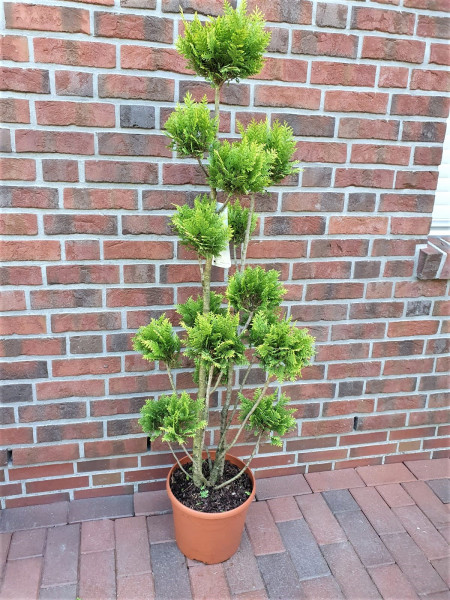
[394, 495]
[381, 474]
[97, 536]
[284, 509]
[364, 539]
[262, 530]
[340, 501]
[28, 543]
[303, 549]
[279, 576]
[21, 580]
[442, 566]
[61, 555]
[170, 572]
[110, 507]
[97, 576]
[209, 581]
[256, 595]
[151, 503]
[334, 480]
[242, 571]
[349, 572]
[381, 517]
[441, 487]
[322, 588]
[160, 528]
[285, 485]
[59, 592]
[445, 532]
[439, 596]
[132, 546]
[392, 584]
[414, 564]
[423, 532]
[5, 540]
[428, 502]
[320, 519]
[136, 587]
[437, 468]
[29, 517]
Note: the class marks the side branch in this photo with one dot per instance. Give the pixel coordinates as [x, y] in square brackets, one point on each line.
[254, 451]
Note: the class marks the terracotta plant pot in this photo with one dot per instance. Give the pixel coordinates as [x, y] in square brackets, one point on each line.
[209, 537]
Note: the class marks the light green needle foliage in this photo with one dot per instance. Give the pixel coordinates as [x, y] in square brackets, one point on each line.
[237, 219]
[214, 341]
[174, 417]
[190, 128]
[279, 139]
[261, 324]
[285, 350]
[226, 47]
[201, 227]
[191, 308]
[271, 416]
[158, 341]
[255, 289]
[241, 167]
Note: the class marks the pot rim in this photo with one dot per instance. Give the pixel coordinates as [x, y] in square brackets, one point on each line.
[215, 515]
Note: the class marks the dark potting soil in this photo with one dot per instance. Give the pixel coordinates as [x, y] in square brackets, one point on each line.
[229, 497]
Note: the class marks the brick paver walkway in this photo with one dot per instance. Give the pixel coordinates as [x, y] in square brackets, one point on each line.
[365, 533]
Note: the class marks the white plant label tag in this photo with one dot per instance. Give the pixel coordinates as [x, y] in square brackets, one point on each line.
[224, 259]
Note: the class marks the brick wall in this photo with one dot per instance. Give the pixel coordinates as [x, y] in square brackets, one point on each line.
[88, 188]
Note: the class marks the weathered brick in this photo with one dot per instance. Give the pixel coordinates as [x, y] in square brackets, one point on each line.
[134, 27]
[73, 83]
[324, 44]
[47, 18]
[389, 49]
[74, 53]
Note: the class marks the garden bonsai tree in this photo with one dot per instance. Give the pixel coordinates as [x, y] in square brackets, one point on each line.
[225, 336]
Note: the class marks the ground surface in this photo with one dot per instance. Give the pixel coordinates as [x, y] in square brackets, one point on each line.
[365, 533]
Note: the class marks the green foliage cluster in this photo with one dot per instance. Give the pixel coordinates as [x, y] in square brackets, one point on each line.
[255, 289]
[237, 220]
[240, 168]
[271, 415]
[191, 308]
[174, 417]
[285, 350]
[228, 47]
[158, 341]
[214, 340]
[201, 228]
[277, 139]
[191, 129]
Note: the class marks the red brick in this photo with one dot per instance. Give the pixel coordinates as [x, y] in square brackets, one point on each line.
[97, 536]
[65, 298]
[422, 532]
[14, 110]
[412, 328]
[152, 59]
[12, 301]
[330, 73]
[16, 435]
[354, 225]
[135, 586]
[14, 47]
[430, 469]
[322, 270]
[316, 428]
[71, 83]
[429, 26]
[428, 156]
[17, 168]
[284, 69]
[68, 389]
[406, 203]
[284, 509]
[357, 369]
[47, 18]
[287, 96]
[378, 178]
[134, 27]
[66, 274]
[18, 224]
[394, 495]
[439, 54]
[389, 155]
[25, 80]
[51, 470]
[127, 86]
[132, 546]
[393, 77]
[97, 577]
[382, 129]
[60, 170]
[52, 141]
[388, 49]
[392, 583]
[425, 180]
[384, 474]
[394, 247]
[75, 53]
[430, 80]
[133, 144]
[36, 455]
[334, 480]
[82, 114]
[39, 250]
[47, 485]
[374, 19]
[400, 367]
[121, 172]
[433, 106]
[320, 519]
[208, 581]
[321, 152]
[324, 44]
[15, 585]
[23, 325]
[382, 421]
[343, 101]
